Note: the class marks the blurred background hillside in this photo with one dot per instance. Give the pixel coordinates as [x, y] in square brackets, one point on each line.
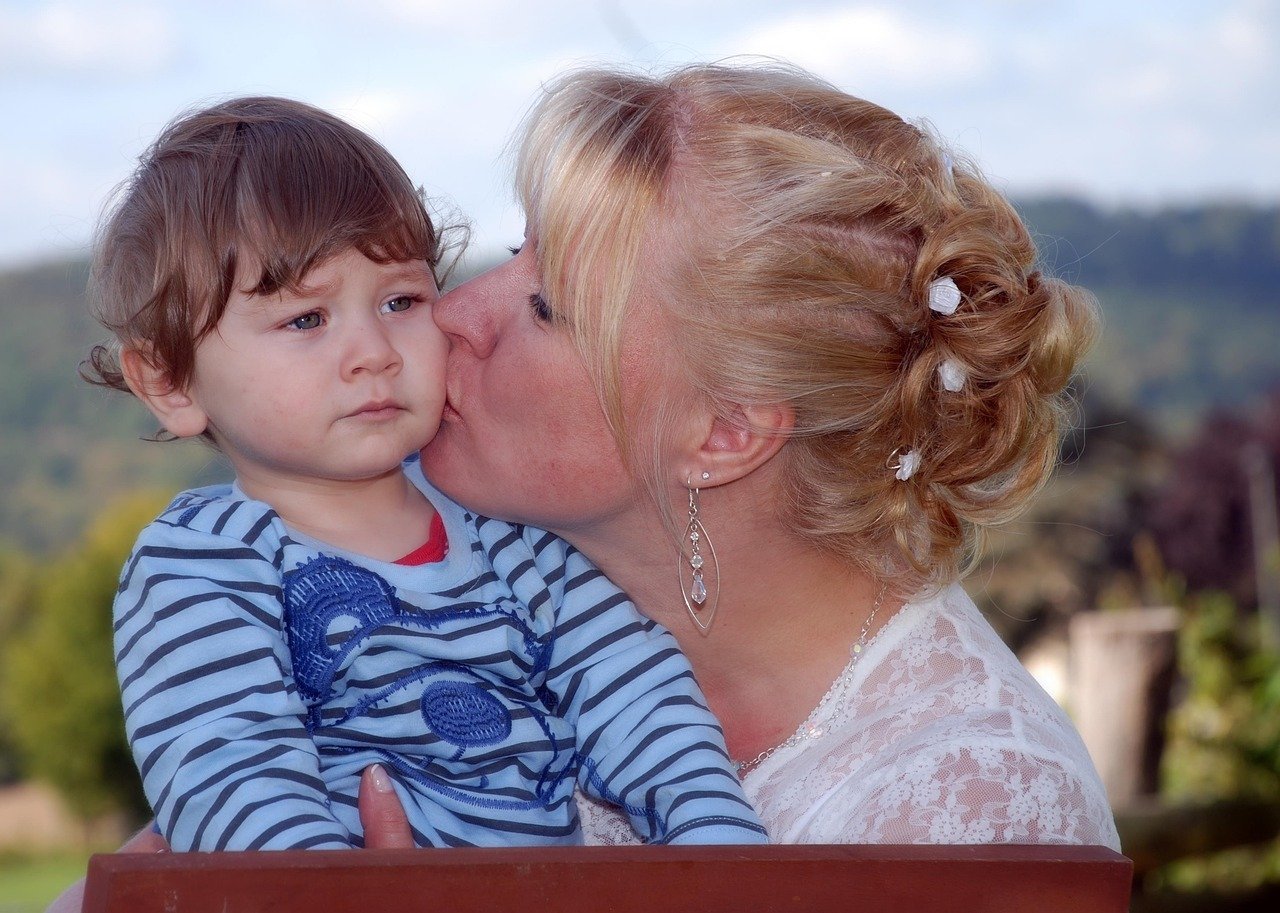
[1134, 140]
[1152, 502]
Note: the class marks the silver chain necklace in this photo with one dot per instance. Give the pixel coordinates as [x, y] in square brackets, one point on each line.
[809, 729]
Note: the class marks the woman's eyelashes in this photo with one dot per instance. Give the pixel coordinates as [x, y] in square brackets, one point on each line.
[541, 309]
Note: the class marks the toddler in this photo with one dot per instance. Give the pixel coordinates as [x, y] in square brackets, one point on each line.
[269, 274]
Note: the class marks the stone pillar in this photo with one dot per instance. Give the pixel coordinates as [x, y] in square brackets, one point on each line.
[1122, 669]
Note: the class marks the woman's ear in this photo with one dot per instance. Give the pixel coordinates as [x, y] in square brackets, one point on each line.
[736, 446]
[174, 408]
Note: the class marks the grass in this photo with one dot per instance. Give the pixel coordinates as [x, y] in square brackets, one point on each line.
[29, 882]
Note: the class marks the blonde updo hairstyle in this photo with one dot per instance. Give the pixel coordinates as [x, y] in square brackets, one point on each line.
[809, 226]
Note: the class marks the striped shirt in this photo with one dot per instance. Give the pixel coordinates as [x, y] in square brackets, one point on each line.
[262, 671]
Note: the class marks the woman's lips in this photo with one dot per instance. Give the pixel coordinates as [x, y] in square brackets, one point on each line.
[450, 411]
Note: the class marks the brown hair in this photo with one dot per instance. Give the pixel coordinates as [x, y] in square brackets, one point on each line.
[268, 184]
[810, 226]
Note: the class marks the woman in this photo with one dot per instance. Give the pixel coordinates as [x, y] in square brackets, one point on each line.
[774, 361]
[826, 364]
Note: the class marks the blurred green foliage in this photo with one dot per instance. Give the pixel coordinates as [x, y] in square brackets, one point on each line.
[1224, 735]
[17, 596]
[58, 694]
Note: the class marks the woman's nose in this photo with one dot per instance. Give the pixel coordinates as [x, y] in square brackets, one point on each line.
[469, 314]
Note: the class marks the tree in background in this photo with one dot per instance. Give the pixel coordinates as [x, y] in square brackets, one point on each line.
[58, 691]
[17, 588]
[1201, 515]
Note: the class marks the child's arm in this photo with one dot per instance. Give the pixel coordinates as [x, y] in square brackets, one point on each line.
[645, 738]
[213, 717]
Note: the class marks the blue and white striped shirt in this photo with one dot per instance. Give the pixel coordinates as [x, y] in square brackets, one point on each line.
[262, 671]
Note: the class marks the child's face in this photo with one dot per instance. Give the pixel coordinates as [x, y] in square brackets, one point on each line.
[339, 384]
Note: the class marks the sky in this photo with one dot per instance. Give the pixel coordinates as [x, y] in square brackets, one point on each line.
[1120, 101]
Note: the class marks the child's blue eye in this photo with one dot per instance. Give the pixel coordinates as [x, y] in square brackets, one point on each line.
[305, 322]
[398, 305]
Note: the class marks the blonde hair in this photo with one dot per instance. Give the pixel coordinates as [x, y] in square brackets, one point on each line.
[810, 225]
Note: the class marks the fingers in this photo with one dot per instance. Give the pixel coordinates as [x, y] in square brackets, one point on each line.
[386, 827]
[145, 841]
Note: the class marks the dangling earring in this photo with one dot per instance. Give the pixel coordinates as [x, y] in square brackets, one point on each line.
[700, 599]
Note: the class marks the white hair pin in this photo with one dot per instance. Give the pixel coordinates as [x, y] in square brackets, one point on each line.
[952, 374]
[944, 296]
[907, 464]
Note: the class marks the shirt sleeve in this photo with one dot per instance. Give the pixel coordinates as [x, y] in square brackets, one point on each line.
[646, 741]
[213, 717]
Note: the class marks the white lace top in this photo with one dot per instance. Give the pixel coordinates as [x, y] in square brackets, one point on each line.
[936, 734]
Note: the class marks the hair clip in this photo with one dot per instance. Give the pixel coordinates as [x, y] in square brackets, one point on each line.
[908, 461]
[952, 374]
[944, 296]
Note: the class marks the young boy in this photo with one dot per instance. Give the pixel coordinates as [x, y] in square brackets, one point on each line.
[269, 274]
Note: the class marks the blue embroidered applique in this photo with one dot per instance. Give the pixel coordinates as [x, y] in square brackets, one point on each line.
[317, 593]
[465, 714]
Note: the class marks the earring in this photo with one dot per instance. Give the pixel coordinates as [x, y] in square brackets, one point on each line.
[699, 600]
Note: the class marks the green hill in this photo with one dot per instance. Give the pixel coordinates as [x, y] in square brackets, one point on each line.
[66, 447]
[1190, 295]
[1191, 298]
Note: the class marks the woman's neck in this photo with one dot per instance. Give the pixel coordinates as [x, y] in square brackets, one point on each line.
[786, 618]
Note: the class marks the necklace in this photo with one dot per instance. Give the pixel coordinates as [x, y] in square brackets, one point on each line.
[809, 729]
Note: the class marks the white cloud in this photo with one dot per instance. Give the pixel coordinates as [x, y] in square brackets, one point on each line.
[376, 111]
[452, 20]
[85, 38]
[869, 46]
[49, 209]
[1099, 98]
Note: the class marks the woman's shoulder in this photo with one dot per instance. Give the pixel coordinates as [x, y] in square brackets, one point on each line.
[940, 721]
[943, 676]
[940, 643]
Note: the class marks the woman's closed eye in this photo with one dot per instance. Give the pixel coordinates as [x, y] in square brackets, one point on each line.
[541, 309]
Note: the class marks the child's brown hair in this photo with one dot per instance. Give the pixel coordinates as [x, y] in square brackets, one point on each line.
[269, 185]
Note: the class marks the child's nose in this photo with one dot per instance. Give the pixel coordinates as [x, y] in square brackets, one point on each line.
[371, 351]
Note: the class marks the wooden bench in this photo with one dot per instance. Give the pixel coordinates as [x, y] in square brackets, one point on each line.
[860, 879]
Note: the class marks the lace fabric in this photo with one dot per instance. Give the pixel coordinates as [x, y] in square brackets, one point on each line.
[936, 735]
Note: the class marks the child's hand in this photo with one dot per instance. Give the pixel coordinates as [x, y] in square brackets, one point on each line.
[381, 815]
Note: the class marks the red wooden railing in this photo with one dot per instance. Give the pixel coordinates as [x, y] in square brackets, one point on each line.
[860, 879]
